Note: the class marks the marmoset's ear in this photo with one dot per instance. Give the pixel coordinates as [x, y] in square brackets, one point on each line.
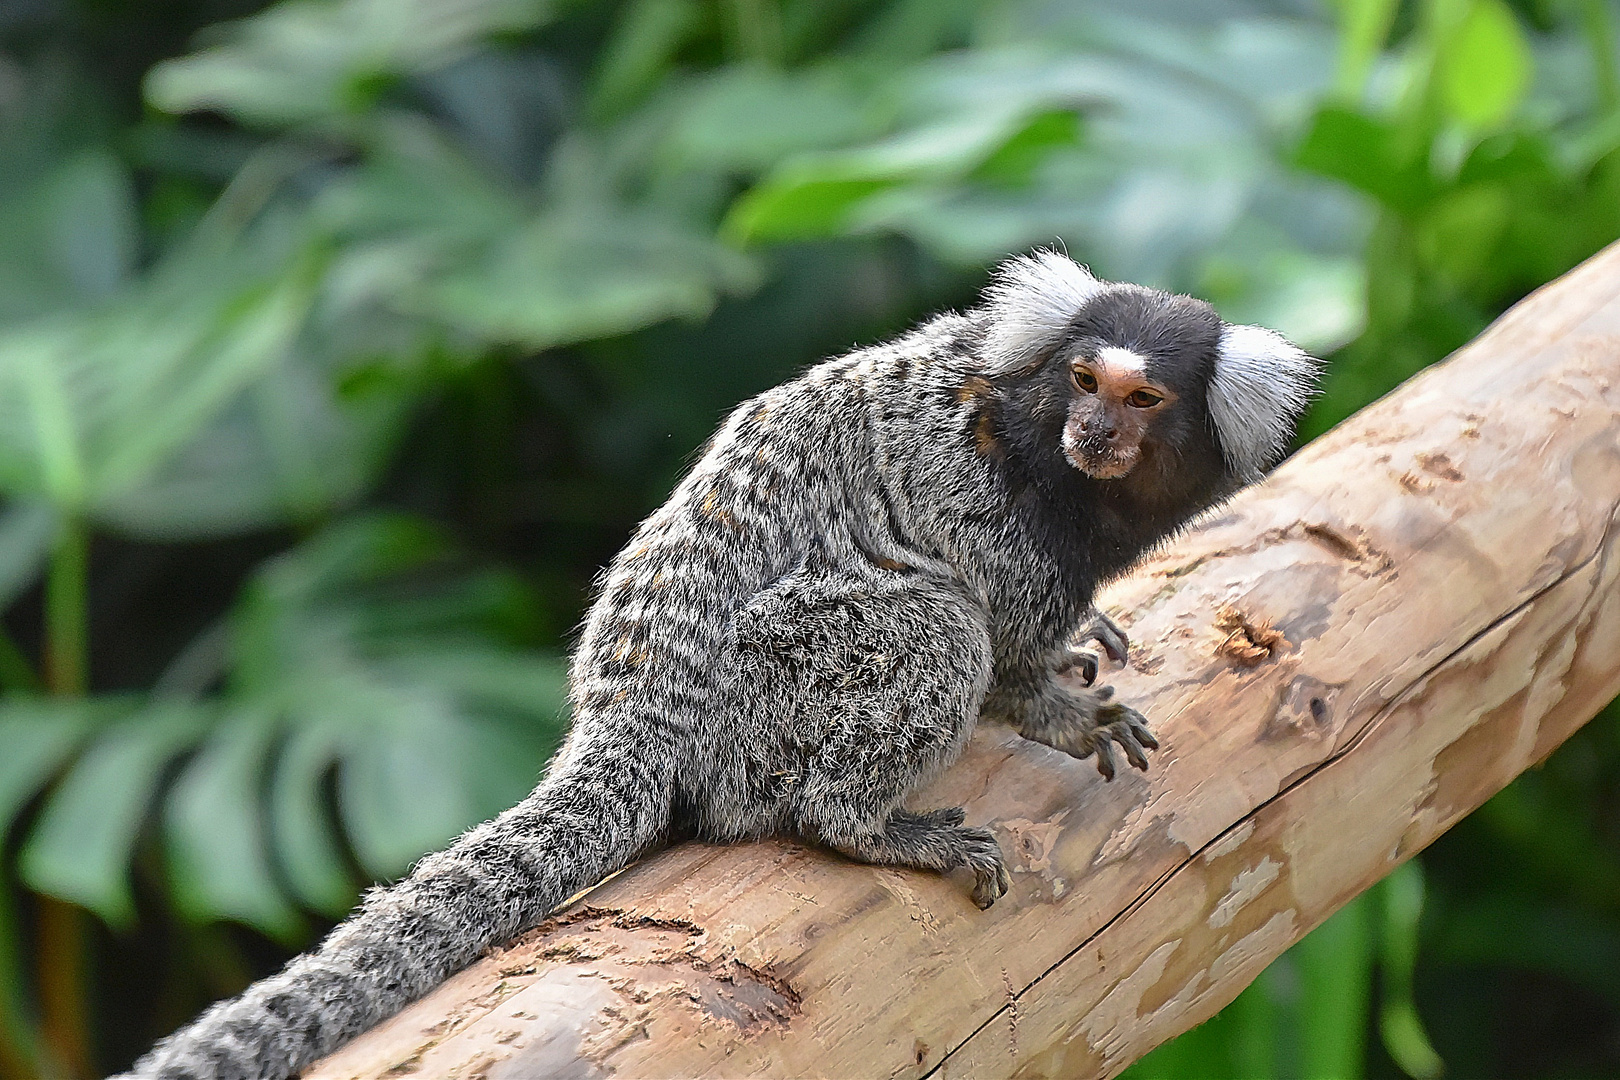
[1261, 386]
[1031, 302]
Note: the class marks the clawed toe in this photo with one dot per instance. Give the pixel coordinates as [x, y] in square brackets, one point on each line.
[1086, 663]
[1105, 632]
[991, 885]
[1128, 728]
[983, 856]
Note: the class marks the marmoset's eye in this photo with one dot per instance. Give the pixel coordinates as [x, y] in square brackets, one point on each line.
[1142, 399]
[1085, 380]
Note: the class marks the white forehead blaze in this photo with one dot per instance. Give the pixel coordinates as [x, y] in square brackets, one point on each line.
[1118, 363]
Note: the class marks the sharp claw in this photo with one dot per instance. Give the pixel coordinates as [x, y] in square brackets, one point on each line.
[1105, 759]
[1144, 736]
[1133, 753]
[1088, 665]
[1107, 633]
[1117, 647]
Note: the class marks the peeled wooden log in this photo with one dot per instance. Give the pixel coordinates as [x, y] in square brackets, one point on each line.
[1340, 664]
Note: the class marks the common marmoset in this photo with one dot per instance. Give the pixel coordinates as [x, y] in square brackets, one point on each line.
[862, 560]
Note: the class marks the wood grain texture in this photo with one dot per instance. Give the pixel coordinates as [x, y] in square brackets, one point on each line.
[1340, 664]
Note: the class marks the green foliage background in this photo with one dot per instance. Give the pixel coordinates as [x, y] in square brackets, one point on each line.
[342, 340]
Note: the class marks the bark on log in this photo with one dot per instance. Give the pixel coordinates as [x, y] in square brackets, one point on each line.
[1340, 665]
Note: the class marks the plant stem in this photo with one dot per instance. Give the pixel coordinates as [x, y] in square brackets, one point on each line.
[21, 1056]
[67, 622]
[63, 1025]
[15, 671]
[63, 1017]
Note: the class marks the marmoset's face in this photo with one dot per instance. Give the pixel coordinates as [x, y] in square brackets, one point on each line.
[1112, 408]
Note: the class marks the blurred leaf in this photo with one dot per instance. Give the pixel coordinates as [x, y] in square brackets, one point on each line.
[219, 861]
[1398, 1022]
[404, 787]
[179, 392]
[37, 735]
[1015, 163]
[80, 850]
[1367, 154]
[1484, 64]
[306, 847]
[68, 229]
[820, 194]
[1461, 230]
[644, 43]
[308, 60]
[576, 275]
[91, 229]
[799, 207]
[1363, 28]
[751, 118]
[292, 446]
[1335, 963]
[1532, 818]
[89, 408]
[27, 533]
[432, 721]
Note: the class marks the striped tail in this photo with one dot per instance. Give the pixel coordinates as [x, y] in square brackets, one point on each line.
[588, 818]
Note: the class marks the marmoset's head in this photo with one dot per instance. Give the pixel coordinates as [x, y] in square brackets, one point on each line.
[1127, 382]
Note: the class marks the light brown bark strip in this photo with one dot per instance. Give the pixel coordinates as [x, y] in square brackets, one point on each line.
[1339, 665]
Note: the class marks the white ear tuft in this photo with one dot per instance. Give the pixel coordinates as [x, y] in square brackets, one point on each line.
[1262, 384]
[1031, 303]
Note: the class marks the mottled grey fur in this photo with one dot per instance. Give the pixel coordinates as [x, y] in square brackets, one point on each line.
[861, 561]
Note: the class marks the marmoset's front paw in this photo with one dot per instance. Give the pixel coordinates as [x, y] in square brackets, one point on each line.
[1114, 722]
[1105, 632]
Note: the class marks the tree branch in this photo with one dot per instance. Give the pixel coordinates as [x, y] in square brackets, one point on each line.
[1340, 665]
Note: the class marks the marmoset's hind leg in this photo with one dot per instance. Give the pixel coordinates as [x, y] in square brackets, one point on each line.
[936, 841]
[879, 676]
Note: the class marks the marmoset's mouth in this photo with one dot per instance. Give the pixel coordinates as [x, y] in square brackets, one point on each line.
[1100, 462]
[1111, 467]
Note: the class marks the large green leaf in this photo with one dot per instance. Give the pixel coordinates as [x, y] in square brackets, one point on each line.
[1369, 154]
[1398, 1022]
[80, 850]
[297, 443]
[751, 118]
[219, 857]
[1484, 63]
[88, 209]
[306, 832]
[37, 736]
[575, 275]
[396, 674]
[308, 60]
[1170, 178]
[28, 530]
[90, 407]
